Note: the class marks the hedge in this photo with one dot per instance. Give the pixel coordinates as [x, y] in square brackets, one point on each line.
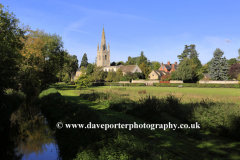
[197, 85]
[117, 84]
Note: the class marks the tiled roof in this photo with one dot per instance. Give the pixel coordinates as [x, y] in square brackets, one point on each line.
[160, 73]
[206, 75]
[169, 67]
[127, 68]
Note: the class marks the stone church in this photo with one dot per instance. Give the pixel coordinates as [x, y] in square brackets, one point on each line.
[103, 59]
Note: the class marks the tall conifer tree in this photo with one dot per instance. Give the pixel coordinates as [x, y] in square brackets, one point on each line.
[84, 62]
[219, 66]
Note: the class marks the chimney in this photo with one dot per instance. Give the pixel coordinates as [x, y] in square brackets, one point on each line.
[175, 63]
[168, 62]
[161, 64]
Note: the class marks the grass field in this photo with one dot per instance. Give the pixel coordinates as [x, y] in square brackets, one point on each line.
[176, 145]
[224, 95]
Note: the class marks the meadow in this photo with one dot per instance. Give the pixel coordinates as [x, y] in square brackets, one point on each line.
[216, 109]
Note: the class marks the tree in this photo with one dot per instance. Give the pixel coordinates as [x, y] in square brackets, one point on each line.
[232, 61]
[84, 61]
[192, 51]
[219, 66]
[174, 75]
[189, 51]
[156, 66]
[146, 70]
[131, 61]
[184, 54]
[10, 44]
[70, 64]
[111, 75]
[239, 54]
[120, 63]
[234, 70]
[98, 73]
[90, 69]
[119, 75]
[197, 62]
[142, 59]
[185, 71]
[83, 81]
[113, 64]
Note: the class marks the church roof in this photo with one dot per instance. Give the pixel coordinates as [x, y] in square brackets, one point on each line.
[127, 68]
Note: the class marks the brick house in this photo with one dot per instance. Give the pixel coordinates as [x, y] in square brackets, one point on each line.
[168, 68]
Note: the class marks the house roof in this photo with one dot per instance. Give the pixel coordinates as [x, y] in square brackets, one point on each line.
[160, 73]
[127, 68]
[207, 75]
[169, 67]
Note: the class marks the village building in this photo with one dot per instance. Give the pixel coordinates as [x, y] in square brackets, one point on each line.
[168, 68]
[157, 74]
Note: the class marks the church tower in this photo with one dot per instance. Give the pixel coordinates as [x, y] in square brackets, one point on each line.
[103, 55]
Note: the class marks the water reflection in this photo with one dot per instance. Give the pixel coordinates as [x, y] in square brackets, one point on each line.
[32, 135]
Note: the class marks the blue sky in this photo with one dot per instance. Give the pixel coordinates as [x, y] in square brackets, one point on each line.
[160, 28]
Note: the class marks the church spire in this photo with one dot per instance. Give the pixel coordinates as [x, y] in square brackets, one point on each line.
[103, 41]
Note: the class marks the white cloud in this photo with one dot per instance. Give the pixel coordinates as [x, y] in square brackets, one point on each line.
[227, 40]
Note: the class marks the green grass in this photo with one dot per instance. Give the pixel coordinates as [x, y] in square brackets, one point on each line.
[172, 144]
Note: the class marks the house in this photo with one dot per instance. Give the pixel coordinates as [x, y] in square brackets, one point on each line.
[156, 74]
[130, 68]
[168, 68]
[206, 76]
[77, 74]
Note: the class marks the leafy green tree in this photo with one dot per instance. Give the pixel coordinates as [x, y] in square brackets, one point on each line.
[184, 54]
[197, 62]
[232, 61]
[185, 71]
[10, 44]
[111, 76]
[84, 61]
[142, 59]
[120, 63]
[239, 54]
[131, 61]
[113, 64]
[156, 66]
[119, 75]
[66, 78]
[189, 51]
[146, 70]
[90, 69]
[83, 81]
[192, 51]
[70, 64]
[219, 66]
[174, 75]
[98, 73]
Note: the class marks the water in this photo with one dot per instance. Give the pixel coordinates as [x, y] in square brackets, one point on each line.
[32, 137]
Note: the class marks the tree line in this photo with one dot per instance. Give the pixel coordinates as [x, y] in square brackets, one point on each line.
[30, 59]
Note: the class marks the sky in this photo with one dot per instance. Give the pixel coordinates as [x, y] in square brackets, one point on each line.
[159, 28]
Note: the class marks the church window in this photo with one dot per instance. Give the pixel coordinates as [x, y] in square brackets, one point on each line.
[99, 57]
[152, 74]
[105, 57]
